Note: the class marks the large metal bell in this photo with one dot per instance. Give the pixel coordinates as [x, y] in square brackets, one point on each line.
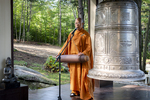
[116, 49]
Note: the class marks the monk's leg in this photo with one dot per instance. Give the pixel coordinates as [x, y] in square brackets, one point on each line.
[75, 77]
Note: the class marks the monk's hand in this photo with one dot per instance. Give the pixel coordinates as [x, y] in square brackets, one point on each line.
[80, 53]
[56, 55]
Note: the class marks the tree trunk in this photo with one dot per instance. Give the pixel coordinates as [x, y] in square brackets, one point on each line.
[40, 31]
[64, 36]
[54, 37]
[21, 21]
[36, 35]
[146, 43]
[49, 38]
[27, 21]
[60, 22]
[23, 38]
[15, 25]
[45, 22]
[45, 30]
[74, 12]
[80, 11]
[30, 18]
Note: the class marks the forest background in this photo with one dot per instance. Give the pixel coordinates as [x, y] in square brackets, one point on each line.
[48, 21]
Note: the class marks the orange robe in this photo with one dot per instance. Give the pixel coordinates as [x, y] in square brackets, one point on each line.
[78, 71]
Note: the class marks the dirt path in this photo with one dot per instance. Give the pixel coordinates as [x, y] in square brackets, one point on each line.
[38, 50]
[33, 53]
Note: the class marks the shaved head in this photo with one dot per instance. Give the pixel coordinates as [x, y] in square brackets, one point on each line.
[78, 24]
[79, 19]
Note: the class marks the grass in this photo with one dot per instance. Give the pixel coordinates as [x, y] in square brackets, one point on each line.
[22, 63]
[65, 77]
[36, 65]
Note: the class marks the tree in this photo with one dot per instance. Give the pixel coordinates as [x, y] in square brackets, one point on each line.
[146, 25]
[146, 43]
[80, 10]
[15, 24]
[60, 22]
[21, 21]
[23, 37]
[30, 17]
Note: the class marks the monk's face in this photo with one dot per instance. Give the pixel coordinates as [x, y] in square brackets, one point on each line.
[78, 24]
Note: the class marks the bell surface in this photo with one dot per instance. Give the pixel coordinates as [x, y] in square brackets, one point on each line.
[116, 47]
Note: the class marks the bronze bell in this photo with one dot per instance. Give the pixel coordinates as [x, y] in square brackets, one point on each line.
[116, 49]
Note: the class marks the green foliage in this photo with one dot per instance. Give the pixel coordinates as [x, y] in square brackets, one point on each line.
[145, 12]
[15, 50]
[51, 67]
[28, 36]
[145, 8]
[148, 55]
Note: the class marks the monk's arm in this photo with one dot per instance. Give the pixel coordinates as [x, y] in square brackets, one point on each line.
[88, 46]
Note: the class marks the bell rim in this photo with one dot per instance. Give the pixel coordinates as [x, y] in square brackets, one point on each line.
[121, 75]
[117, 79]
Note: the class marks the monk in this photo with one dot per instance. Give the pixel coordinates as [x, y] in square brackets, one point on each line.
[80, 44]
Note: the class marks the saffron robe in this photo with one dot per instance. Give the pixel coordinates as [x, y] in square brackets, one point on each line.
[78, 71]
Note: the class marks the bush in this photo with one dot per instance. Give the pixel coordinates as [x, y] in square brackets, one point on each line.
[51, 67]
[15, 50]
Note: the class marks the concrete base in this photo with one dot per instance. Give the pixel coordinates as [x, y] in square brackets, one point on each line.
[147, 79]
[9, 85]
[1, 86]
[101, 83]
[20, 93]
